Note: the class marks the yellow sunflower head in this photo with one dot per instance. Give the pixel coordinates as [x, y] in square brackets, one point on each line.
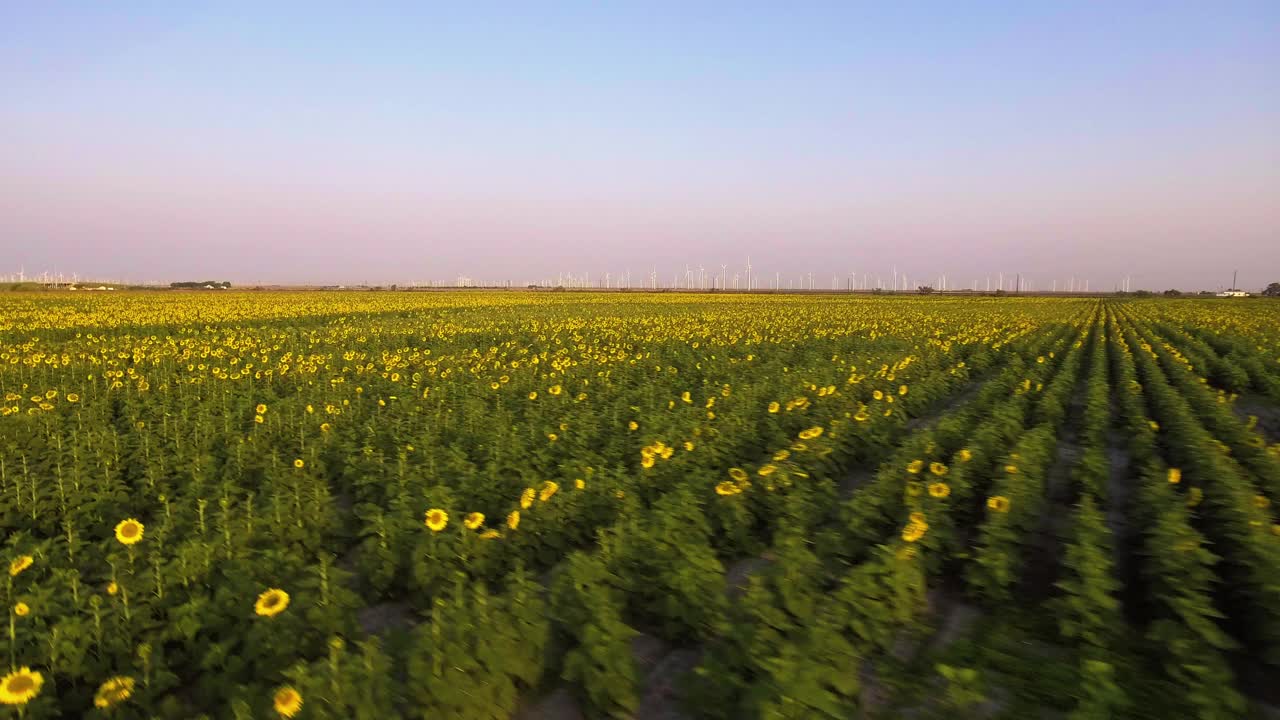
[513, 519]
[549, 489]
[299, 463]
[21, 609]
[473, 520]
[287, 702]
[915, 466]
[20, 686]
[914, 531]
[261, 409]
[129, 531]
[271, 602]
[437, 519]
[20, 563]
[113, 692]
[939, 490]
[526, 498]
[998, 503]
[1174, 476]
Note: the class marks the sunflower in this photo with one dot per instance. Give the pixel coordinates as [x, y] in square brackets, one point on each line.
[261, 409]
[633, 425]
[473, 520]
[811, 433]
[1011, 469]
[726, 487]
[437, 519]
[646, 461]
[877, 395]
[287, 702]
[73, 398]
[298, 463]
[965, 455]
[22, 562]
[914, 531]
[939, 490]
[773, 406]
[580, 484]
[1261, 502]
[902, 389]
[1174, 476]
[513, 518]
[998, 503]
[257, 419]
[938, 469]
[19, 686]
[112, 588]
[129, 531]
[738, 474]
[526, 498]
[688, 446]
[271, 602]
[113, 692]
[554, 390]
[915, 466]
[549, 489]
[490, 534]
[21, 609]
[767, 470]
[533, 395]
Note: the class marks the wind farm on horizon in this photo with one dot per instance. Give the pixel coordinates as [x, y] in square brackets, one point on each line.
[746, 278]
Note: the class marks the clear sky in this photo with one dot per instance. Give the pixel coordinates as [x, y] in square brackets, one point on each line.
[318, 142]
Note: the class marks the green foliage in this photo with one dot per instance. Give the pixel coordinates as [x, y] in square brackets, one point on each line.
[663, 560]
[964, 687]
[587, 609]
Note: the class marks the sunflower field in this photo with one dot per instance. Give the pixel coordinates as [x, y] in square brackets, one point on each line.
[487, 505]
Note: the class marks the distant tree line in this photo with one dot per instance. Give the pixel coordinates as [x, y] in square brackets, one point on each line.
[191, 285]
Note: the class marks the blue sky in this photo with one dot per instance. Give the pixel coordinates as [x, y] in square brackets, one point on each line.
[330, 143]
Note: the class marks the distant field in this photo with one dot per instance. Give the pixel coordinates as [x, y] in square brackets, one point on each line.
[491, 504]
